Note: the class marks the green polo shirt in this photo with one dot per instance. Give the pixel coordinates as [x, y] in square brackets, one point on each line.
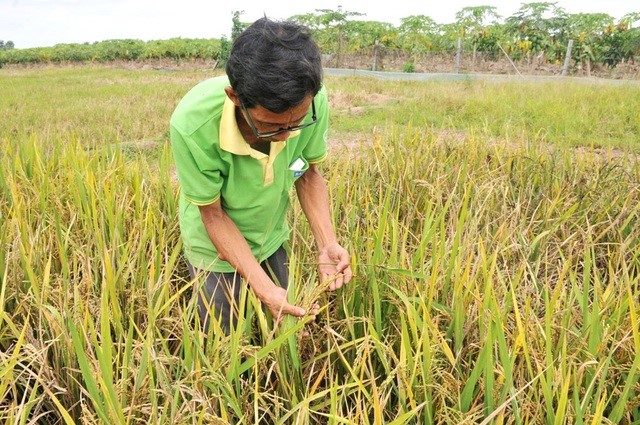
[213, 162]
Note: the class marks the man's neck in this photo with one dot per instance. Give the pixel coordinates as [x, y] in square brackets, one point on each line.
[264, 147]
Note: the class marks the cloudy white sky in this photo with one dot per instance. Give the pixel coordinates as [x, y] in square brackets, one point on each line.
[35, 23]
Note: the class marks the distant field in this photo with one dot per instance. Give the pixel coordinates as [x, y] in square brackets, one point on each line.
[494, 230]
[107, 105]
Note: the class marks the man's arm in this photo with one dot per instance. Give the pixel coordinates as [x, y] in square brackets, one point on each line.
[233, 248]
[333, 259]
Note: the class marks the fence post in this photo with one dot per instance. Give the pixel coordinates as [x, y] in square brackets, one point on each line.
[459, 55]
[567, 58]
[374, 67]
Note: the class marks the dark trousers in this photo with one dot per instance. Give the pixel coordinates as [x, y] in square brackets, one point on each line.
[219, 294]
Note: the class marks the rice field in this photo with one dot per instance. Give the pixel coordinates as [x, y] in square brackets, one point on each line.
[494, 233]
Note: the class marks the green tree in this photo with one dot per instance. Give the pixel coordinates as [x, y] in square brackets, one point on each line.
[588, 31]
[449, 34]
[8, 45]
[418, 34]
[631, 42]
[631, 19]
[490, 38]
[537, 27]
[621, 42]
[476, 18]
[225, 44]
[330, 28]
[365, 34]
[473, 22]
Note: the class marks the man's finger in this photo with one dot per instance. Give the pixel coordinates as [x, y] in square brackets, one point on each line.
[295, 311]
[339, 281]
[343, 264]
[348, 274]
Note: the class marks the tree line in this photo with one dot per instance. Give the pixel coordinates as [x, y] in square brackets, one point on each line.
[113, 50]
[538, 31]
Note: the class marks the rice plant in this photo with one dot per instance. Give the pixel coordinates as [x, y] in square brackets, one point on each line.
[495, 282]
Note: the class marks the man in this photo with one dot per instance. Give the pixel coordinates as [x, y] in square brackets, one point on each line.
[240, 143]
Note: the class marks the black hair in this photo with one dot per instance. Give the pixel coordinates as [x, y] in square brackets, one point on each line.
[274, 64]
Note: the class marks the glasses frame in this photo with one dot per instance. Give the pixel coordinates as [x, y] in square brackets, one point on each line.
[267, 134]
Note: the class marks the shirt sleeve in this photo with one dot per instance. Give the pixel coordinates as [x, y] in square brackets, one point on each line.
[199, 174]
[315, 150]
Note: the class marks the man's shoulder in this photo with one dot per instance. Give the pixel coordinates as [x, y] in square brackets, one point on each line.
[321, 98]
[202, 104]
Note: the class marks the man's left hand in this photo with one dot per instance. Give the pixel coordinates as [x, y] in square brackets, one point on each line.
[333, 263]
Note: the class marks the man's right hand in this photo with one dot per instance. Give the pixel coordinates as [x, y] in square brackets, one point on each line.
[276, 302]
[233, 248]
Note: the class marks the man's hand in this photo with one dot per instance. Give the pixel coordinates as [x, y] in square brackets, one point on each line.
[333, 264]
[276, 302]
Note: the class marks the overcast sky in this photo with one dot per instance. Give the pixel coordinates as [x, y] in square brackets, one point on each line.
[35, 23]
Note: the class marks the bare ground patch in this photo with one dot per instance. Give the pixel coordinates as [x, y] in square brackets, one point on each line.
[355, 103]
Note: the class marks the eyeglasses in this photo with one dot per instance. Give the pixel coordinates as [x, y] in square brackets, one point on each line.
[267, 134]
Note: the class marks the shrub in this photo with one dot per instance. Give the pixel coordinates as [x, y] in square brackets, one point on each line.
[409, 67]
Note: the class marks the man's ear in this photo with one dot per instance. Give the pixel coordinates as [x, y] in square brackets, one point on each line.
[231, 94]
